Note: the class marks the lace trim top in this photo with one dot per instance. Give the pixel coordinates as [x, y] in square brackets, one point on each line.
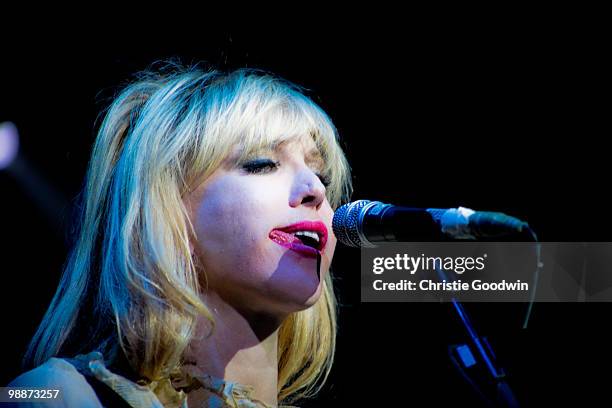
[165, 393]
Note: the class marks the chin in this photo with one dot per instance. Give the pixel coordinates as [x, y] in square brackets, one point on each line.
[293, 301]
[315, 296]
[311, 300]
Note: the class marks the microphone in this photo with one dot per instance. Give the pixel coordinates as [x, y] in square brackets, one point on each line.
[364, 222]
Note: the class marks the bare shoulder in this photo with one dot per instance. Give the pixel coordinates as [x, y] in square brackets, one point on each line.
[61, 375]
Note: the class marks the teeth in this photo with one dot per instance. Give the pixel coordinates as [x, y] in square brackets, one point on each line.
[309, 234]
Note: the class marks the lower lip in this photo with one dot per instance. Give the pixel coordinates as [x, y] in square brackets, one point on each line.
[301, 249]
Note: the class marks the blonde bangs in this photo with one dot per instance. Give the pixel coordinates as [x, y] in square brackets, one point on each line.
[260, 112]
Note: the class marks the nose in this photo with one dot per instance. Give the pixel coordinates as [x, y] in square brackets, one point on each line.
[307, 190]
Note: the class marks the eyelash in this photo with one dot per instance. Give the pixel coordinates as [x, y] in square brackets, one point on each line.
[258, 166]
[324, 180]
[266, 165]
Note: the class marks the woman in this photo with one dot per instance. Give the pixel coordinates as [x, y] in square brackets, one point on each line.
[199, 276]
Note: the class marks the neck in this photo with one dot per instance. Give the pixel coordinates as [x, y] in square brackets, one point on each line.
[242, 348]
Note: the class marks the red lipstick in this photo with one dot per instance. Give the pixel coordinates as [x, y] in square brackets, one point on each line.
[285, 236]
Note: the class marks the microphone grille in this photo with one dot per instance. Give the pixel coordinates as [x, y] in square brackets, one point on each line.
[346, 223]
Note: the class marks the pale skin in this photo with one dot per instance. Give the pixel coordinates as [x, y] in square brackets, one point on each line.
[251, 283]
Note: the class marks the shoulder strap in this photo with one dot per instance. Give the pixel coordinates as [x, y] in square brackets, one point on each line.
[107, 396]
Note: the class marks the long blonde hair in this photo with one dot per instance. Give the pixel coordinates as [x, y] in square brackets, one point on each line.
[130, 279]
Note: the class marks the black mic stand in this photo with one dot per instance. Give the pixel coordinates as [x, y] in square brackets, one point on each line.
[467, 364]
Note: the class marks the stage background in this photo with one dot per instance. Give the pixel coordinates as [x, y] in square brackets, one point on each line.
[503, 120]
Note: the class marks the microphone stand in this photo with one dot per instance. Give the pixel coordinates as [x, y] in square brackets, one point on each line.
[463, 359]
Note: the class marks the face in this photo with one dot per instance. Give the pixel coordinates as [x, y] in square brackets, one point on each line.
[247, 216]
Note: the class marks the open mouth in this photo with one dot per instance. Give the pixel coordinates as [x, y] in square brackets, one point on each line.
[306, 237]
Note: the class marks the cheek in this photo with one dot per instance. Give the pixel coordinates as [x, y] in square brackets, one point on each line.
[221, 220]
[232, 222]
[231, 225]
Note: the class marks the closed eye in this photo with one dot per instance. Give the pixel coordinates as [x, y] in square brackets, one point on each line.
[324, 180]
[260, 166]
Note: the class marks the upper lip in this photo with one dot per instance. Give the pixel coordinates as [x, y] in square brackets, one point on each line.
[317, 227]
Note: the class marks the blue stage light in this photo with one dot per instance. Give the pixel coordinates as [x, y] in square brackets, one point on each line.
[9, 144]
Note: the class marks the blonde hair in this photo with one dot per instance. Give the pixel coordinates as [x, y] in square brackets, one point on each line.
[130, 273]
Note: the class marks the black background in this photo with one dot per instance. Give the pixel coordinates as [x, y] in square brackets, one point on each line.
[508, 120]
